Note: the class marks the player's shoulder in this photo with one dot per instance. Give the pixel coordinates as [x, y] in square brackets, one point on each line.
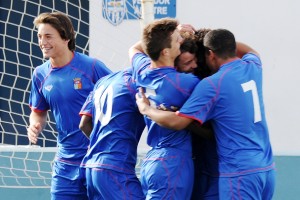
[140, 59]
[189, 77]
[82, 57]
[43, 68]
[86, 60]
[185, 80]
[252, 57]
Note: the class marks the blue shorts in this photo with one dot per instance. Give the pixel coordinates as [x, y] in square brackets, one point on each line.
[259, 186]
[167, 174]
[68, 182]
[109, 184]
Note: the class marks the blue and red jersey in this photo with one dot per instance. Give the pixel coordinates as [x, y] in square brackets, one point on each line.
[117, 123]
[63, 90]
[232, 100]
[166, 89]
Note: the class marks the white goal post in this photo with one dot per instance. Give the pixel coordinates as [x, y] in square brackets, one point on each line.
[147, 12]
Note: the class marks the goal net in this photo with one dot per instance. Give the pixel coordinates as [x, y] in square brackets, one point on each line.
[21, 164]
[26, 166]
[31, 166]
[20, 54]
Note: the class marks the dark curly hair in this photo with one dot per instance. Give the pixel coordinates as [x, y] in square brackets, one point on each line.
[202, 70]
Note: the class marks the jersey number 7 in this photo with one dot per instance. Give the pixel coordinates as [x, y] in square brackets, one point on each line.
[251, 86]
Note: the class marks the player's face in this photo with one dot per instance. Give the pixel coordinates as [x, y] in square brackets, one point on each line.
[175, 44]
[50, 42]
[211, 61]
[187, 62]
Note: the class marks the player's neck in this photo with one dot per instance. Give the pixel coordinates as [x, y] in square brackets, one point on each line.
[224, 61]
[62, 60]
[162, 63]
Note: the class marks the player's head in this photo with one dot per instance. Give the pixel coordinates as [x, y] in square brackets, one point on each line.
[187, 60]
[219, 45]
[61, 23]
[162, 38]
[202, 70]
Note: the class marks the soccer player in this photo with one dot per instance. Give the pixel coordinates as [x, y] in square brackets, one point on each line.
[192, 60]
[205, 157]
[61, 85]
[167, 171]
[232, 99]
[116, 123]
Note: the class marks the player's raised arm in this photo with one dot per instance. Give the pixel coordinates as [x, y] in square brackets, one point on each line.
[242, 49]
[136, 48]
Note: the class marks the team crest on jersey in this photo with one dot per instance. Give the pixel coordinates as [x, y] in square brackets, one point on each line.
[77, 83]
[48, 87]
[114, 11]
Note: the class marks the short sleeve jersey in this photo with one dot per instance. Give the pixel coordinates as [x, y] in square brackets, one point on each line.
[117, 123]
[232, 99]
[64, 90]
[167, 89]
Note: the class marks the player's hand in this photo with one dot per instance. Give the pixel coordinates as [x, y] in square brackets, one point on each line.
[186, 30]
[142, 101]
[164, 108]
[33, 132]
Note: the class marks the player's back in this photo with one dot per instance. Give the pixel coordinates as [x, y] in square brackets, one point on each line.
[247, 115]
[237, 116]
[118, 125]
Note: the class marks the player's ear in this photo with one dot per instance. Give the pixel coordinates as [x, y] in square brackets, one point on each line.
[165, 52]
[210, 54]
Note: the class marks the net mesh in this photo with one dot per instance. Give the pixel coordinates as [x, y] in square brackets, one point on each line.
[31, 166]
[21, 165]
[19, 55]
[26, 166]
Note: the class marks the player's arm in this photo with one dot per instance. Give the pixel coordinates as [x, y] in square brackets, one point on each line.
[86, 125]
[242, 49]
[37, 122]
[166, 119]
[202, 130]
[134, 49]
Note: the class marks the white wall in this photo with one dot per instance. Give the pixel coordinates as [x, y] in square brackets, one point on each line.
[272, 27]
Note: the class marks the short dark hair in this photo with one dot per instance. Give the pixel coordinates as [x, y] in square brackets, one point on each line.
[61, 23]
[157, 36]
[221, 42]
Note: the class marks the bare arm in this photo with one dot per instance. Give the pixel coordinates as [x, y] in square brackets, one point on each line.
[136, 48]
[166, 119]
[242, 49]
[37, 122]
[86, 125]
